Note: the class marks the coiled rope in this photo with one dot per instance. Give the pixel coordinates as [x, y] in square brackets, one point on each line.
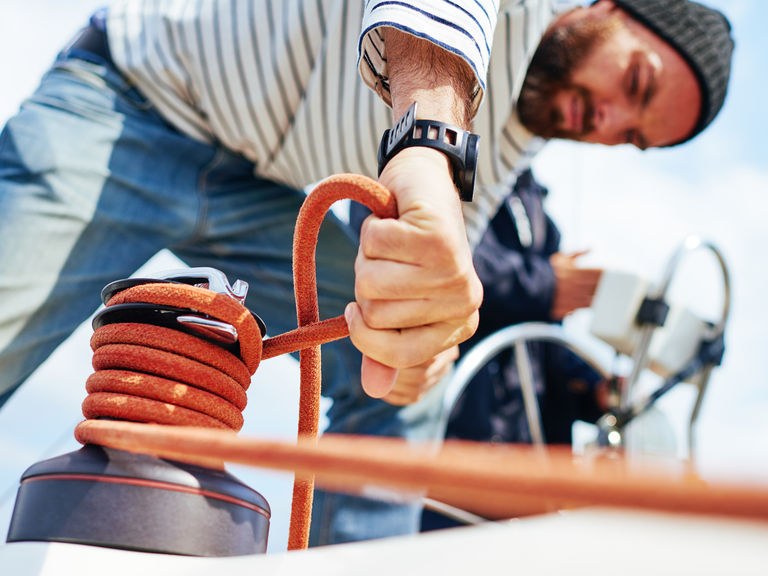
[152, 374]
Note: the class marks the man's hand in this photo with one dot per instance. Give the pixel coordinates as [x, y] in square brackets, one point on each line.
[574, 287]
[416, 290]
[413, 383]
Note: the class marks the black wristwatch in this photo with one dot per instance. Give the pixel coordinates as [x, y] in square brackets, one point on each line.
[459, 145]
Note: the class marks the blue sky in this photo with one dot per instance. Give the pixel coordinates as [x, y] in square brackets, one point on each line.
[630, 209]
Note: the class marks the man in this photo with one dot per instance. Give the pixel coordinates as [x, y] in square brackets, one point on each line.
[194, 127]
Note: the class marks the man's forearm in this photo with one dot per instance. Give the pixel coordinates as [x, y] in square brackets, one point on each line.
[442, 83]
[416, 292]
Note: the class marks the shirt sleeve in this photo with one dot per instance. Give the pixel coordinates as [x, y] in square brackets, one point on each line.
[459, 26]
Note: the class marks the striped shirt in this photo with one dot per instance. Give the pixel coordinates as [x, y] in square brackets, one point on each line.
[278, 81]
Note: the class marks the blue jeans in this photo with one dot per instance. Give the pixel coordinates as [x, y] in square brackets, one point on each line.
[94, 182]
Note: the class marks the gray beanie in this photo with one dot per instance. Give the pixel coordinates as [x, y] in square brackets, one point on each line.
[702, 36]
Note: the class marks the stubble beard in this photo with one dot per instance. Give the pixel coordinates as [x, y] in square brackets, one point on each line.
[560, 52]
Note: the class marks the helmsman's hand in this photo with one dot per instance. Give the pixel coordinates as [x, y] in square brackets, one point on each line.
[416, 290]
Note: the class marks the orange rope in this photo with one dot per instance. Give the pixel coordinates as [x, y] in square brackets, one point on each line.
[151, 374]
[317, 204]
[176, 342]
[216, 305]
[166, 393]
[496, 481]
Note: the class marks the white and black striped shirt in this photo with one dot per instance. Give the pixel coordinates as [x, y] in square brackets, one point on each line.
[278, 81]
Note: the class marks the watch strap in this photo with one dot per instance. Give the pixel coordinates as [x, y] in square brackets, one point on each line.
[458, 145]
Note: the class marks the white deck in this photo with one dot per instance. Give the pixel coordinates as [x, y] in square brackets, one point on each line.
[573, 543]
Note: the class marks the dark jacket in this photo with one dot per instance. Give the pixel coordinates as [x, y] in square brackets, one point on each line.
[512, 261]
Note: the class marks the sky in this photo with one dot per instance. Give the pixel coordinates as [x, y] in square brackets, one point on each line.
[630, 209]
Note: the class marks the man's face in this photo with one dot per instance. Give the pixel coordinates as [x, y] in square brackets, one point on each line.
[600, 76]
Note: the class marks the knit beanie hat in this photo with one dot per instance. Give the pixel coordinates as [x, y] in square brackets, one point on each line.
[702, 36]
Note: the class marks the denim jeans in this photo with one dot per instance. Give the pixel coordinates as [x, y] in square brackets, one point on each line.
[94, 182]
